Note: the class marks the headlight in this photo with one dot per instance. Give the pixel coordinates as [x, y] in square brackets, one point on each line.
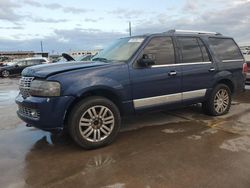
[45, 88]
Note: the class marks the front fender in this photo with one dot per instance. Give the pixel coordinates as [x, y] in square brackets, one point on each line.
[95, 83]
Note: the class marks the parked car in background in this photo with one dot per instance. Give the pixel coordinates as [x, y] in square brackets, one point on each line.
[133, 75]
[17, 66]
[247, 58]
[3, 60]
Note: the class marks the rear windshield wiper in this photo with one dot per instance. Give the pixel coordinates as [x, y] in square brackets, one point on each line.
[102, 59]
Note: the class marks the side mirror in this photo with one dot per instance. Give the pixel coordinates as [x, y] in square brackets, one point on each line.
[16, 66]
[146, 61]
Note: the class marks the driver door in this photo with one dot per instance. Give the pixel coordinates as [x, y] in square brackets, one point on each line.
[20, 66]
[158, 84]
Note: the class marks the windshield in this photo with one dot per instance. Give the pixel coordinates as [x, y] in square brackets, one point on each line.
[120, 50]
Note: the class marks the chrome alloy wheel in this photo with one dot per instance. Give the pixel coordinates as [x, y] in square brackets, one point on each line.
[96, 123]
[221, 101]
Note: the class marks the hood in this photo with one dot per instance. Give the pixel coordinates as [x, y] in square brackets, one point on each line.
[44, 71]
[68, 57]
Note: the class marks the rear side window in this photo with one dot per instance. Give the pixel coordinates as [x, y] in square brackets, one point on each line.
[193, 50]
[225, 49]
[161, 50]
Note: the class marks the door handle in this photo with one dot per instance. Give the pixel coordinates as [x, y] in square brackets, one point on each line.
[172, 73]
[212, 69]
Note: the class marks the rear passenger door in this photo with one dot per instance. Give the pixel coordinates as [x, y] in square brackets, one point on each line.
[158, 84]
[197, 69]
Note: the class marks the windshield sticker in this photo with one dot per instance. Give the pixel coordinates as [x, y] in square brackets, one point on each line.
[136, 40]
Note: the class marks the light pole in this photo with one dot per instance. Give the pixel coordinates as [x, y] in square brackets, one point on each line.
[130, 30]
[42, 46]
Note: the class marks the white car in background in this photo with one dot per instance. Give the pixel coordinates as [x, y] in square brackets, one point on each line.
[247, 56]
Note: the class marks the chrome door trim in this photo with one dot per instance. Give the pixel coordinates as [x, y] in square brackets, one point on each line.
[166, 99]
[232, 60]
[194, 94]
[153, 101]
[179, 64]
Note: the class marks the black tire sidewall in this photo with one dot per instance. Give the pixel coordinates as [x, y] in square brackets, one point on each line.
[77, 112]
[3, 74]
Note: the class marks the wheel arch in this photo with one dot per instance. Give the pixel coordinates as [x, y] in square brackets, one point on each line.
[101, 92]
[227, 82]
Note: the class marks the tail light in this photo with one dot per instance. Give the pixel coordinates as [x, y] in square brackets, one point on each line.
[245, 68]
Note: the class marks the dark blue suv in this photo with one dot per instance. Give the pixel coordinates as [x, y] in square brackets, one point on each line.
[135, 74]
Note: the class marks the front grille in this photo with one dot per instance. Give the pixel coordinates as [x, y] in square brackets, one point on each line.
[24, 86]
[29, 113]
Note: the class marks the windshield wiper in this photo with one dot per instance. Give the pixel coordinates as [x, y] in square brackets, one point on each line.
[102, 59]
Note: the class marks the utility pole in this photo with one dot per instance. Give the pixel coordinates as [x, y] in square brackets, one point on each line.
[130, 30]
[42, 46]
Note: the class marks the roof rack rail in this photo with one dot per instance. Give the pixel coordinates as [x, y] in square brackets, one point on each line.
[191, 31]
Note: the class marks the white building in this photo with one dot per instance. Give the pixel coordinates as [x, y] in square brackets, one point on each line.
[83, 52]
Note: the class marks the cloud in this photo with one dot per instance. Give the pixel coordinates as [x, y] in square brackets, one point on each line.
[93, 20]
[74, 10]
[48, 20]
[32, 3]
[127, 14]
[53, 6]
[64, 40]
[232, 20]
[14, 27]
[56, 6]
[7, 11]
[191, 6]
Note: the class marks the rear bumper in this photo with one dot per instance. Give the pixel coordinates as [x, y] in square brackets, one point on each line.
[43, 113]
[248, 78]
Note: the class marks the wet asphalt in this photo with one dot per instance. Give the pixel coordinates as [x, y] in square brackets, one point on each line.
[180, 148]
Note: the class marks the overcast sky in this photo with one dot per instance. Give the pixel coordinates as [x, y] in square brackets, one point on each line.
[77, 24]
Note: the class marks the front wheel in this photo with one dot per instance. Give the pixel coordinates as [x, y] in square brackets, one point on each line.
[5, 74]
[94, 122]
[219, 101]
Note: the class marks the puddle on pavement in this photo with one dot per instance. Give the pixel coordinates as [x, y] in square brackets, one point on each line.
[209, 131]
[14, 146]
[7, 97]
[194, 137]
[99, 161]
[171, 131]
[116, 185]
[237, 144]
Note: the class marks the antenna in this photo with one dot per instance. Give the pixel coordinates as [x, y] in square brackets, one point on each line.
[130, 30]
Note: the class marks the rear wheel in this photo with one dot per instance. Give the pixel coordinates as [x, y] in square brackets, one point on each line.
[5, 74]
[94, 122]
[219, 101]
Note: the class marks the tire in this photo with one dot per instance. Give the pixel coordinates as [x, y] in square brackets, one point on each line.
[219, 101]
[94, 122]
[5, 73]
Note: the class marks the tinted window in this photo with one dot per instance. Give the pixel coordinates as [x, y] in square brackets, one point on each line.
[225, 49]
[205, 55]
[161, 50]
[191, 51]
[31, 62]
[22, 63]
[35, 62]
